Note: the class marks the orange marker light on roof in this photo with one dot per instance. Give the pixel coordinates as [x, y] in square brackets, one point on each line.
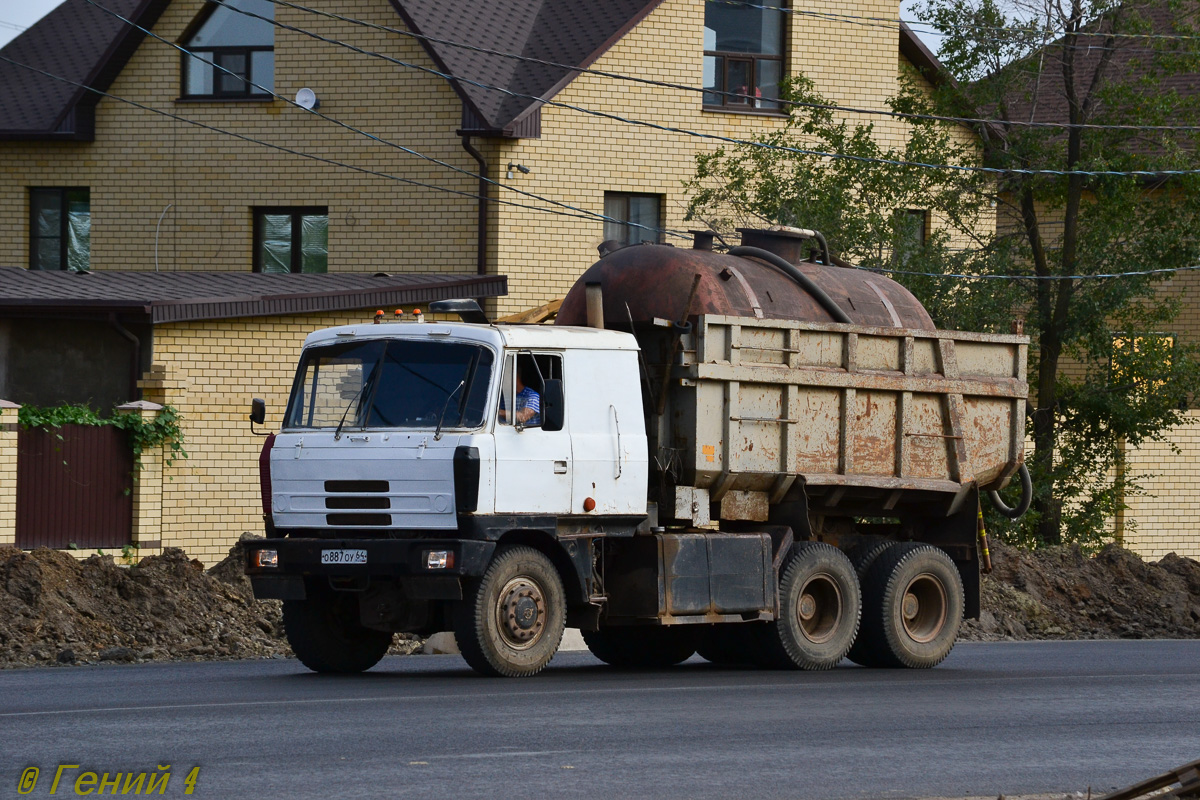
[399, 314]
[379, 316]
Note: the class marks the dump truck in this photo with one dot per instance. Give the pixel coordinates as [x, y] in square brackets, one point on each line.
[762, 455]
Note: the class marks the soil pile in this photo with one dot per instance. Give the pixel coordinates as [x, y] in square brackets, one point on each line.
[55, 609]
[1059, 593]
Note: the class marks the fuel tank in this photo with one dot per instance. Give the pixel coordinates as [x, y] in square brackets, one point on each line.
[649, 281]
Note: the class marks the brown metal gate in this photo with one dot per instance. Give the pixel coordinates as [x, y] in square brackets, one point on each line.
[73, 488]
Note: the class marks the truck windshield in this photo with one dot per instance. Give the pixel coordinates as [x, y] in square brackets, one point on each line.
[391, 384]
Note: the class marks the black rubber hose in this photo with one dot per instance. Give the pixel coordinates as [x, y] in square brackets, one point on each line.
[1023, 504]
[824, 247]
[799, 277]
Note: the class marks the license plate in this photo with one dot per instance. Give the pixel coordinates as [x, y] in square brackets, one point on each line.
[343, 556]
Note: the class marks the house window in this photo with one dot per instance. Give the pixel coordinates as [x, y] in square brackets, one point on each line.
[632, 218]
[291, 239]
[912, 225]
[233, 55]
[1150, 353]
[743, 55]
[60, 226]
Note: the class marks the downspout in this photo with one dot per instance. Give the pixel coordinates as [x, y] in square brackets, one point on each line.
[481, 243]
[137, 354]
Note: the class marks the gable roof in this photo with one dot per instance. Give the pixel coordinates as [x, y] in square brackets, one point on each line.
[158, 297]
[76, 41]
[1040, 96]
[569, 32]
[83, 43]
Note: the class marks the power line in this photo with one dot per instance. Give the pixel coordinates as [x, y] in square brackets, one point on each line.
[704, 90]
[1095, 276]
[716, 137]
[897, 21]
[374, 137]
[578, 213]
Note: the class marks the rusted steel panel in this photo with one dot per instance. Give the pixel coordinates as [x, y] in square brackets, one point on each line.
[73, 488]
[848, 406]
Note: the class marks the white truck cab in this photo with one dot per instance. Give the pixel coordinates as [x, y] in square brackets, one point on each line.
[398, 470]
[379, 412]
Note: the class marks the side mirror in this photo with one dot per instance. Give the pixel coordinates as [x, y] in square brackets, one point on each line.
[258, 413]
[553, 405]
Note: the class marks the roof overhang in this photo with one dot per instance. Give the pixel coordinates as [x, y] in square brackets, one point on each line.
[165, 297]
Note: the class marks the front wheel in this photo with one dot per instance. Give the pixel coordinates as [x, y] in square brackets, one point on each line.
[326, 636]
[511, 623]
[819, 608]
[912, 607]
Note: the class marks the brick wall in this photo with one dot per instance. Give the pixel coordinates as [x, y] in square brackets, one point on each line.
[210, 371]
[140, 163]
[1165, 519]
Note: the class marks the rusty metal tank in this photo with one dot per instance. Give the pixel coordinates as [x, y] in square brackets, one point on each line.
[655, 282]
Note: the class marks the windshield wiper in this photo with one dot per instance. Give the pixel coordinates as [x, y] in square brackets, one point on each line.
[337, 435]
[437, 435]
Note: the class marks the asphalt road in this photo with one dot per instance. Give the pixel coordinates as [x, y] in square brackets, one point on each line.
[1012, 718]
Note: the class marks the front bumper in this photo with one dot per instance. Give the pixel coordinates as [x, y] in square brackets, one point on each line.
[403, 560]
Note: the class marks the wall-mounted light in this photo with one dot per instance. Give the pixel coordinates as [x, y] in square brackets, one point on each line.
[524, 170]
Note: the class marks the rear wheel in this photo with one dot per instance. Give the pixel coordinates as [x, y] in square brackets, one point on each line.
[912, 607]
[730, 643]
[326, 636]
[512, 622]
[641, 647]
[819, 608]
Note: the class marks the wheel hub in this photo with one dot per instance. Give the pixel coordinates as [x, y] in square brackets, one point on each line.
[819, 608]
[924, 608]
[521, 612]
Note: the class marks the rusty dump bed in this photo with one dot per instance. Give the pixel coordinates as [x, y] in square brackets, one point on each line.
[872, 420]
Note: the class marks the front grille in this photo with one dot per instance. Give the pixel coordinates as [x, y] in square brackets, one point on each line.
[357, 520]
[349, 501]
[355, 487]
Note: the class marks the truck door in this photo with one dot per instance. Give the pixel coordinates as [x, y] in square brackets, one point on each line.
[608, 440]
[533, 465]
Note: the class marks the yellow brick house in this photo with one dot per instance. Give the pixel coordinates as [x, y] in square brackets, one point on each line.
[487, 146]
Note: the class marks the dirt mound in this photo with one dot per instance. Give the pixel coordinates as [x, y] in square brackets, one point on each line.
[1059, 593]
[57, 610]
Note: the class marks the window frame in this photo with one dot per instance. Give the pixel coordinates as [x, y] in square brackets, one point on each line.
[186, 58]
[744, 103]
[627, 224]
[248, 92]
[63, 193]
[297, 213]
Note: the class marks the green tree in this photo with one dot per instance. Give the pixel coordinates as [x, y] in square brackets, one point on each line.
[1103, 376]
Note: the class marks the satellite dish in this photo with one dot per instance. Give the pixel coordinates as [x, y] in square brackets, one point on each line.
[307, 99]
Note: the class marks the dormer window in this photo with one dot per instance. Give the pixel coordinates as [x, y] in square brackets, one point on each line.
[743, 55]
[233, 54]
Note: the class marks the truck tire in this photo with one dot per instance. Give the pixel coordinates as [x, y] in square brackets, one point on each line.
[326, 636]
[863, 554]
[912, 607]
[641, 647]
[511, 620]
[727, 644]
[819, 609]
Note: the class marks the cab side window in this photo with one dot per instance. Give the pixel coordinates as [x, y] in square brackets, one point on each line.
[524, 384]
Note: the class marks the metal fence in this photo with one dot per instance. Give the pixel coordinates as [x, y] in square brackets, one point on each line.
[73, 488]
